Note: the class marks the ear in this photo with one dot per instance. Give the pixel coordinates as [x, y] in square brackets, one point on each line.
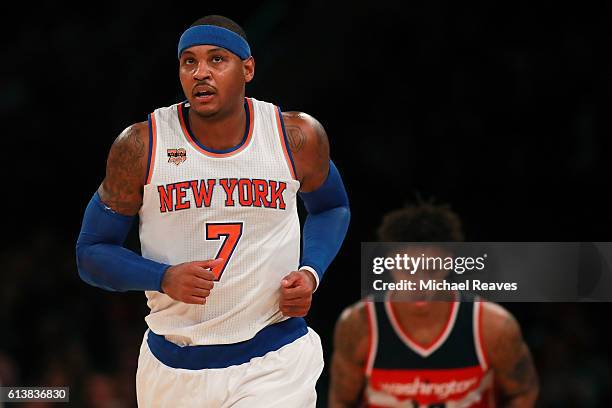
[249, 69]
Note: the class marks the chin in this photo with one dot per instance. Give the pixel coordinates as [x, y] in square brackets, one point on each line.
[204, 110]
[423, 298]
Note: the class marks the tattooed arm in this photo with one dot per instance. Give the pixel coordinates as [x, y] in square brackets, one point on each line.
[101, 258]
[310, 149]
[516, 380]
[126, 166]
[324, 196]
[351, 339]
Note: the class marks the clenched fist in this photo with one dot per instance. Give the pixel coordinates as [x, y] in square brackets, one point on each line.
[296, 293]
[190, 282]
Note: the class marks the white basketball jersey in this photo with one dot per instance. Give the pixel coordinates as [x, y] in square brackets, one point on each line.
[239, 205]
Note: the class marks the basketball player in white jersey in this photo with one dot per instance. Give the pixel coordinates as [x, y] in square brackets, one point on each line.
[214, 180]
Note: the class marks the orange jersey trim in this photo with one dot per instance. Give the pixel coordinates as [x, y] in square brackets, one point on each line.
[213, 154]
[281, 133]
[479, 339]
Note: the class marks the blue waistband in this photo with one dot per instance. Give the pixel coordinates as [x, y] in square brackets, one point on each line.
[268, 339]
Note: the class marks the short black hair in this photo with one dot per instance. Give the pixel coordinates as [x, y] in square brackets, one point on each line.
[221, 21]
[421, 222]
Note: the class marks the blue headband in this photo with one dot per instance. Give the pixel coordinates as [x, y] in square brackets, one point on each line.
[213, 35]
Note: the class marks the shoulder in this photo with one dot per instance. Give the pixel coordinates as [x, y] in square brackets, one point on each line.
[133, 137]
[352, 334]
[303, 130]
[306, 123]
[500, 330]
[509, 356]
[126, 169]
[497, 320]
[354, 315]
[131, 147]
[309, 146]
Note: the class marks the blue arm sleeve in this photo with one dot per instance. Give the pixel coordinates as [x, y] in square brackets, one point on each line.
[101, 259]
[326, 223]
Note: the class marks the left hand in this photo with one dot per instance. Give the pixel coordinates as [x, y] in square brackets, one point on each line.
[296, 293]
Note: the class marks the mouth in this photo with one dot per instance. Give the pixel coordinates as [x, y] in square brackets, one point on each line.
[203, 93]
[204, 96]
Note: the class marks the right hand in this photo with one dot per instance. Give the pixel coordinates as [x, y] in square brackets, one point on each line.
[190, 282]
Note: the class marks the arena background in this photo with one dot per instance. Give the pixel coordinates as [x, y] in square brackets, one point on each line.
[500, 110]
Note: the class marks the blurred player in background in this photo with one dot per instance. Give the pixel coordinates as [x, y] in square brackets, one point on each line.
[214, 180]
[424, 353]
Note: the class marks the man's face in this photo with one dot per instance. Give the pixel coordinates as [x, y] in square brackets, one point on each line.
[213, 78]
[421, 273]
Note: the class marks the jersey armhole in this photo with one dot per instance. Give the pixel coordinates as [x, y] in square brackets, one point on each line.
[373, 336]
[152, 148]
[478, 341]
[284, 142]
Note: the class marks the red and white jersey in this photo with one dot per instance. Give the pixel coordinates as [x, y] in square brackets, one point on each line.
[239, 205]
[451, 372]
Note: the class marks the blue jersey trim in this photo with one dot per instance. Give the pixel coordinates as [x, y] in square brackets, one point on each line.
[150, 149]
[208, 149]
[269, 339]
[282, 121]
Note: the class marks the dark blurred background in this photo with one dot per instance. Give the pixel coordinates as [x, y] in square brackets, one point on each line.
[501, 110]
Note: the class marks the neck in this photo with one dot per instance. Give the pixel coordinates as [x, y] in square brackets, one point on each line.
[221, 131]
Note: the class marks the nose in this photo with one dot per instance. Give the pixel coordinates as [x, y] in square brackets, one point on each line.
[202, 72]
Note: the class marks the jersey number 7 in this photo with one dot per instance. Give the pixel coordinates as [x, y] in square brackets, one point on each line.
[232, 231]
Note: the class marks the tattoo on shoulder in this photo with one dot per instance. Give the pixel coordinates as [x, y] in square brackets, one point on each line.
[522, 372]
[296, 138]
[125, 169]
[128, 150]
[514, 338]
[520, 375]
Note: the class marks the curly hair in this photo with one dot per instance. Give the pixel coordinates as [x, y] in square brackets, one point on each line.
[421, 222]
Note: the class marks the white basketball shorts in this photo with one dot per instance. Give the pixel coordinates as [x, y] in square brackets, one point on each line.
[282, 378]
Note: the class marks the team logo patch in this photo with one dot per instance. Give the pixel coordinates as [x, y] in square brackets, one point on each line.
[177, 156]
